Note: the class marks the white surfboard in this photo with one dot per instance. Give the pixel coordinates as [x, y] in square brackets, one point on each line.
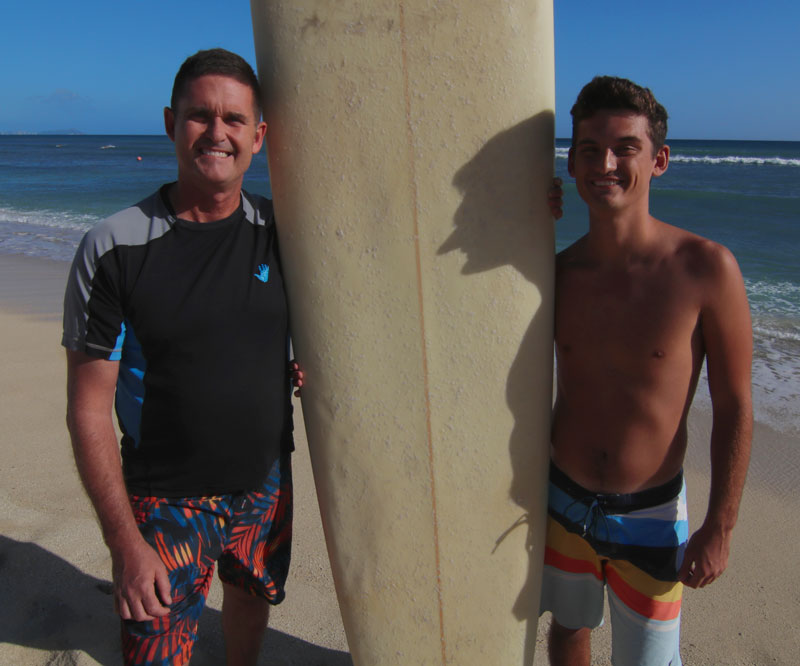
[410, 151]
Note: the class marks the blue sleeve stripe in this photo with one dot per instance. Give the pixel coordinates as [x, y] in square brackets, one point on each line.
[130, 386]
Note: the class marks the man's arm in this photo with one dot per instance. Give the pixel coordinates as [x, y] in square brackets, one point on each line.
[728, 339]
[137, 570]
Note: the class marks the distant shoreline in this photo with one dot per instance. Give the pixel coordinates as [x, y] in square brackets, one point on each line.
[77, 132]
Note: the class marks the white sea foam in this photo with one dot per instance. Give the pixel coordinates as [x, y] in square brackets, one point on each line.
[780, 299]
[54, 219]
[736, 159]
[746, 160]
[776, 391]
[43, 233]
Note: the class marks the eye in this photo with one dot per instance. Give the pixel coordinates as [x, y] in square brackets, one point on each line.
[625, 150]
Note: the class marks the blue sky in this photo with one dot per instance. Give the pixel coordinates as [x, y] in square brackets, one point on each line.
[724, 70]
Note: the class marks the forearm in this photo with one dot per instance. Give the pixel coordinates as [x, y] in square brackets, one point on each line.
[731, 438]
[141, 583]
[96, 451]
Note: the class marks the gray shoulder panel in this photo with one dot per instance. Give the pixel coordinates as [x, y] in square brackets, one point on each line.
[147, 220]
[257, 209]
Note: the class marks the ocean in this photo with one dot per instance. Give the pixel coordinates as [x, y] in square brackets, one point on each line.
[743, 194]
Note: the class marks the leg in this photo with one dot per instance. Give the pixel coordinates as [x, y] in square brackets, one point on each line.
[573, 584]
[645, 617]
[244, 622]
[188, 549]
[255, 563]
[569, 647]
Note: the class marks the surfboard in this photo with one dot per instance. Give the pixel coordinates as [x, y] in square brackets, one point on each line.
[410, 150]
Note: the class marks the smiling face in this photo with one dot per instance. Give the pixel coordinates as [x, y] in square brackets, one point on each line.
[613, 161]
[216, 133]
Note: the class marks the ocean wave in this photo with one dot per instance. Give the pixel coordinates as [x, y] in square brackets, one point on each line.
[53, 219]
[783, 334]
[776, 298]
[736, 159]
[746, 160]
[775, 390]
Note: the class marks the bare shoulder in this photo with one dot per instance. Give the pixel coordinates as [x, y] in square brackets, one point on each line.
[704, 259]
[571, 255]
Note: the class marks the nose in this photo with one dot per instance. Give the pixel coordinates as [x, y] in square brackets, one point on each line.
[609, 160]
[215, 128]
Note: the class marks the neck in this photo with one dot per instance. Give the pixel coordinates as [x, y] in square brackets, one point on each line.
[620, 236]
[203, 205]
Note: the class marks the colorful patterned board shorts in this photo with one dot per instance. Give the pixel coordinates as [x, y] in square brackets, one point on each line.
[632, 543]
[249, 534]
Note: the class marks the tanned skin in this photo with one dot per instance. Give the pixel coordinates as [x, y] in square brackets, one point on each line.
[640, 305]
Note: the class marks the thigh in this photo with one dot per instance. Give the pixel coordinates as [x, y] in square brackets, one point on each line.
[645, 616]
[572, 579]
[186, 534]
[258, 548]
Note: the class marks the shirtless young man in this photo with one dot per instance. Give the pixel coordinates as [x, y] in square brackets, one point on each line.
[639, 305]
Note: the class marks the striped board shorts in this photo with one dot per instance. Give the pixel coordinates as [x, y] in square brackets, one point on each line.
[633, 544]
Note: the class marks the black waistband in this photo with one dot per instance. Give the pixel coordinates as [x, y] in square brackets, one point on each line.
[620, 502]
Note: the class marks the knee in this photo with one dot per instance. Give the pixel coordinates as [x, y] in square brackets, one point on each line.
[561, 633]
[569, 647]
[243, 607]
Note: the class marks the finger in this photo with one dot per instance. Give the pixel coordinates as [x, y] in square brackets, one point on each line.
[691, 581]
[137, 611]
[685, 572]
[153, 608]
[121, 607]
[163, 588]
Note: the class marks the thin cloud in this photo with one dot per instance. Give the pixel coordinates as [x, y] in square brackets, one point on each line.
[62, 98]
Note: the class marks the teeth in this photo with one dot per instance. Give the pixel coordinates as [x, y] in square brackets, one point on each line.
[606, 183]
[215, 153]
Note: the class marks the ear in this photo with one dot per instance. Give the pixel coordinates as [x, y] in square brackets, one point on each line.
[258, 141]
[662, 161]
[571, 162]
[169, 123]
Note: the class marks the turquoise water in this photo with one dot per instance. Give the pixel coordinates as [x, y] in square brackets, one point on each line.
[743, 194]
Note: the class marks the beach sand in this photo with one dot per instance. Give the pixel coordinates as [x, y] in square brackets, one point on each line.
[55, 570]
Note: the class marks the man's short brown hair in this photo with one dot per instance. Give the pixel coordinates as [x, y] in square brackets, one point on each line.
[216, 62]
[611, 93]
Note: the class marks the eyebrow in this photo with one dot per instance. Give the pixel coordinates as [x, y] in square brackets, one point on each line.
[622, 139]
[206, 111]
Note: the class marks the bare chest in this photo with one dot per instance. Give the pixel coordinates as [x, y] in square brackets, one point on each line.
[624, 319]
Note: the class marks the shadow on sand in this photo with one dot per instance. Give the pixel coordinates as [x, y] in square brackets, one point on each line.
[50, 605]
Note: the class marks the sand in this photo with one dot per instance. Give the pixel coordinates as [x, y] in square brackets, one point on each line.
[55, 570]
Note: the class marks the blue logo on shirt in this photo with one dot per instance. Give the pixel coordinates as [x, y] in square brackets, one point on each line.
[263, 273]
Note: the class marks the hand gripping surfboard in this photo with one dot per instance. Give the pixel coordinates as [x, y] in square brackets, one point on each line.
[410, 151]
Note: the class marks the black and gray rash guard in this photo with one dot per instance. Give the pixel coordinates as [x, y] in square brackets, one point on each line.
[196, 315]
